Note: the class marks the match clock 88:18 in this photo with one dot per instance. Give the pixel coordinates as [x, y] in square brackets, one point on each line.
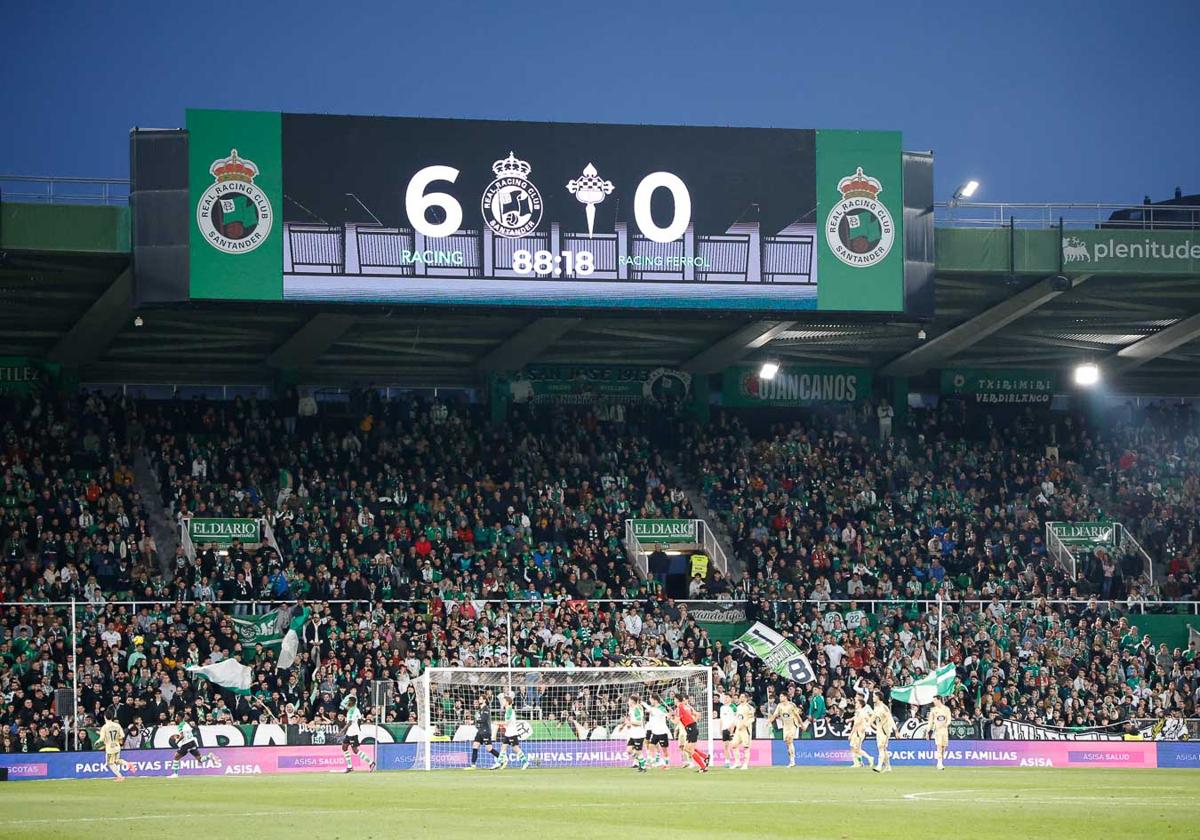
[547, 264]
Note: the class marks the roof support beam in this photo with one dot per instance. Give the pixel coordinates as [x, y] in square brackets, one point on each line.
[1153, 346]
[953, 341]
[94, 331]
[736, 346]
[309, 342]
[525, 345]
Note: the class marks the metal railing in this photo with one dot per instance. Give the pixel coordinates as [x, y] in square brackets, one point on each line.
[32, 189]
[868, 605]
[712, 547]
[1127, 543]
[1069, 214]
[704, 540]
[1121, 542]
[1061, 553]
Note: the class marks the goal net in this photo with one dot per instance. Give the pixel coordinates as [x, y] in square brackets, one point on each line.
[565, 717]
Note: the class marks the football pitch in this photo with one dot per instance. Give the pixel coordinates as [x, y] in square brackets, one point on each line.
[609, 803]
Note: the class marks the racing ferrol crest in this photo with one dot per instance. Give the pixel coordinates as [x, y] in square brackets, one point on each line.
[512, 206]
[859, 229]
[234, 215]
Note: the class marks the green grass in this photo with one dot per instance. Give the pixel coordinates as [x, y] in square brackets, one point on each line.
[617, 805]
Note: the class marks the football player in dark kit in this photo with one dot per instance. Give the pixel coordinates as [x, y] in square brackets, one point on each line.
[483, 732]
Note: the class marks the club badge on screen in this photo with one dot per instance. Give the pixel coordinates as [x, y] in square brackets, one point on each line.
[234, 214]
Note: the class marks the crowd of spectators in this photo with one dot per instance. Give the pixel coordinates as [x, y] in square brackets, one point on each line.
[72, 524]
[451, 539]
[411, 500]
[824, 509]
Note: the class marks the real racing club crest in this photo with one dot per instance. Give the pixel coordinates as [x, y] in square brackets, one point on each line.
[859, 229]
[512, 206]
[234, 215]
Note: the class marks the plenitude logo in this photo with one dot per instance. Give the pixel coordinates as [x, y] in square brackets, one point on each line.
[1077, 249]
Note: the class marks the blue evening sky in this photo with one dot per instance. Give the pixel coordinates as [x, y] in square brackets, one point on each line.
[1042, 101]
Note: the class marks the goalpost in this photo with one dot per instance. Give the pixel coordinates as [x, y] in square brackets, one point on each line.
[568, 717]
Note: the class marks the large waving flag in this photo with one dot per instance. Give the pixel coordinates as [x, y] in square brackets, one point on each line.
[776, 652]
[939, 683]
[291, 640]
[228, 673]
[267, 629]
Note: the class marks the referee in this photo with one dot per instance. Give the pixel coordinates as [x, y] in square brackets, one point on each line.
[483, 732]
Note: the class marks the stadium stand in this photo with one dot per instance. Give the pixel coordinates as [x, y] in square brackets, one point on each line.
[421, 535]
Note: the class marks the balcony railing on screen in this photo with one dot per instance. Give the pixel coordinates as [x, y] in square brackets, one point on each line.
[739, 256]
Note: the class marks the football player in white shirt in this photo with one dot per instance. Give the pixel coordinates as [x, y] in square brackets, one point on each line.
[351, 734]
[185, 743]
[728, 718]
[660, 731]
[635, 722]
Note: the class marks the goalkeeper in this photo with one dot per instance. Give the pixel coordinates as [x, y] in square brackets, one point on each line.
[483, 733]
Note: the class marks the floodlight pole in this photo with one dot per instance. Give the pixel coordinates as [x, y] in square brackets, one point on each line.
[508, 626]
[74, 678]
[939, 649]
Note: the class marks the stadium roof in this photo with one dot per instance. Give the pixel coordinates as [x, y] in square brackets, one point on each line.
[66, 296]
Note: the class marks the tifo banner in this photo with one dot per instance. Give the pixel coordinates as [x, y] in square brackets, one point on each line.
[1085, 533]
[776, 652]
[918, 727]
[664, 531]
[224, 531]
[716, 612]
[791, 385]
[1164, 729]
[542, 214]
[264, 735]
[594, 383]
[1131, 251]
[1001, 386]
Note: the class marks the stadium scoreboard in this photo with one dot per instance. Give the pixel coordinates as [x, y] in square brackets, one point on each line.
[293, 207]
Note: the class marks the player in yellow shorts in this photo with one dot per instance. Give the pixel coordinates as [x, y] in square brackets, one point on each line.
[939, 729]
[858, 733]
[111, 737]
[741, 732]
[788, 716]
[885, 727]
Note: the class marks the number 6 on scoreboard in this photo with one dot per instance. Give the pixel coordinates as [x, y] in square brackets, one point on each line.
[416, 202]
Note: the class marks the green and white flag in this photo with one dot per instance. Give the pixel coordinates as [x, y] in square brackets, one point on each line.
[291, 640]
[779, 654]
[939, 683]
[268, 629]
[228, 673]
